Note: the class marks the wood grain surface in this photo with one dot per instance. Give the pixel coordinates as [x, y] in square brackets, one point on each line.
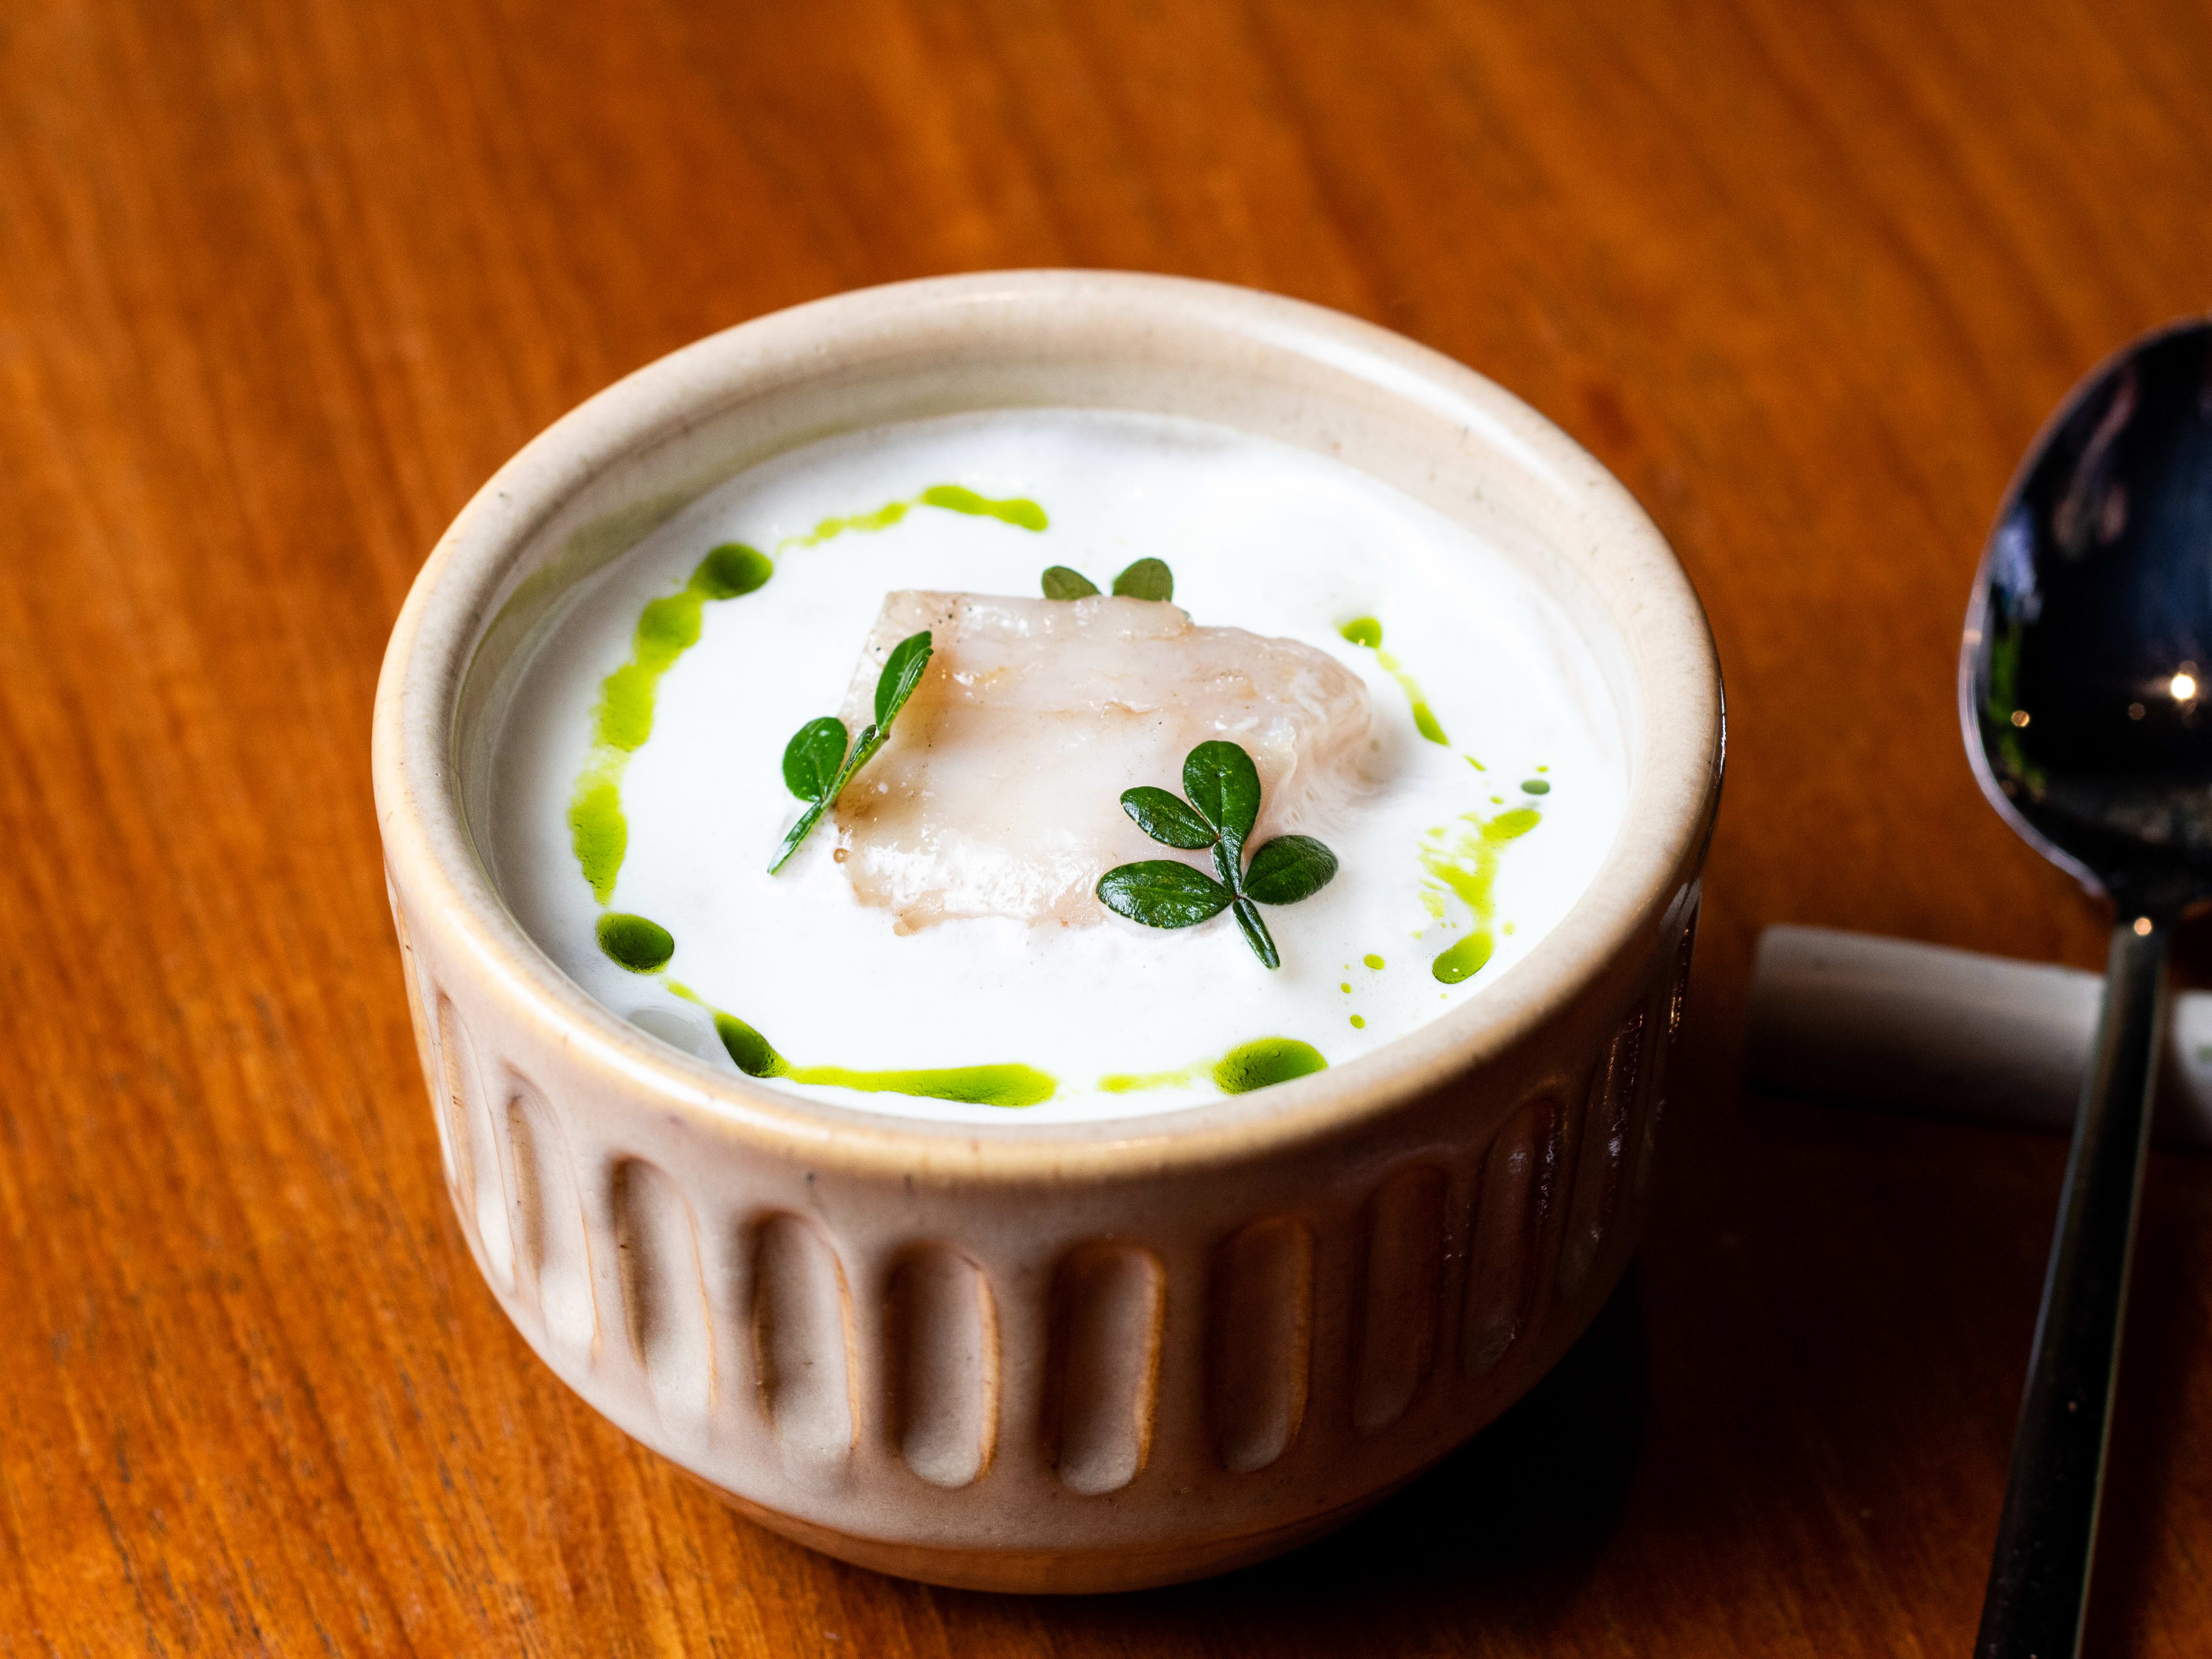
[281, 282]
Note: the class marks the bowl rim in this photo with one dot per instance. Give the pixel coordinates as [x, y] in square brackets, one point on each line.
[432, 856]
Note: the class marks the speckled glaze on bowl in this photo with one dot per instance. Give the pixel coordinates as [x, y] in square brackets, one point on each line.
[1063, 1357]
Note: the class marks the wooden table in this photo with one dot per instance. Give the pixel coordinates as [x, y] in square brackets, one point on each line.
[283, 280]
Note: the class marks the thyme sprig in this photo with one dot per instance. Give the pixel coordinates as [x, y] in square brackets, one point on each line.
[816, 767]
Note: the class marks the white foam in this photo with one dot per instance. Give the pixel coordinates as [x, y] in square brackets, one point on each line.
[1260, 536]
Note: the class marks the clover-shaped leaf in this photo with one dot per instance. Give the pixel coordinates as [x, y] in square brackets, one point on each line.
[1224, 789]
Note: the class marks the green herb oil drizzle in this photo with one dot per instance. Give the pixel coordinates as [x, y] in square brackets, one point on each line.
[622, 718]
[1249, 1065]
[979, 1085]
[1017, 510]
[1367, 631]
[882, 518]
[1461, 859]
[621, 721]
[1130, 1083]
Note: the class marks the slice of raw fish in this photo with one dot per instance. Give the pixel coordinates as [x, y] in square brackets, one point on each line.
[999, 793]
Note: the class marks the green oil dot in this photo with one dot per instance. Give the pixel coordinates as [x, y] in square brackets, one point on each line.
[752, 1051]
[1266, 1060]
[730, 570]
[1358, 1023]
[641, 945]
[1346, 987]
[1535, 787]
[1363, 630]
[1463, 961]
[1373, 960]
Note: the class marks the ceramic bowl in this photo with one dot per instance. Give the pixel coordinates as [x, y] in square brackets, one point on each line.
[1065, 1356]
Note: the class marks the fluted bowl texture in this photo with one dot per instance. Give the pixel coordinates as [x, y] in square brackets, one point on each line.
[1067, 1356]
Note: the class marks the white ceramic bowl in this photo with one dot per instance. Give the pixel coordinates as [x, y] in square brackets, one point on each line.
[1066, 1356]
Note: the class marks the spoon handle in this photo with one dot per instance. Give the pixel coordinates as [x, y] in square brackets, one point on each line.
[2040, 1579]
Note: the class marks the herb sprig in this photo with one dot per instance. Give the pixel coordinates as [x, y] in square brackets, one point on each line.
[1223, 803]
[1147, 579]
[816, 767]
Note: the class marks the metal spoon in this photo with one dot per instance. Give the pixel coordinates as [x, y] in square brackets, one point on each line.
[2084, 683]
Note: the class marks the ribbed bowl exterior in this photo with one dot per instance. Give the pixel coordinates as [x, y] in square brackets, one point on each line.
[1083, 1386]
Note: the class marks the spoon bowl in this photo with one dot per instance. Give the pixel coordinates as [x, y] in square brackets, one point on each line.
[2086, 682]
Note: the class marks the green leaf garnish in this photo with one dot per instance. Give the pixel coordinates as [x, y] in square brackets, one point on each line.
[1165, 818]
[1256, 934]
[1222, 782]
[824, 739]
[1223, 790]
[812, 759]
[798, 833]
[1289, 868]
[1162, 893]
[1061, 583]
[1147, 579]
[901, 674]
